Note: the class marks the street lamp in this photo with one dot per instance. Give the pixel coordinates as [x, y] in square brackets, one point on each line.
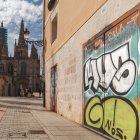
[26, 34]
[38, 43]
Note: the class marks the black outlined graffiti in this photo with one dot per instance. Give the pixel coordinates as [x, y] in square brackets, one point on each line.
[112, 70]
[107, 117]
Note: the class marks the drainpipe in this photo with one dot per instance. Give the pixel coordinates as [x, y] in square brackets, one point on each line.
[44, 95]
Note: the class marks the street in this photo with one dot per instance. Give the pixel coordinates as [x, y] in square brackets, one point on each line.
[25, 119]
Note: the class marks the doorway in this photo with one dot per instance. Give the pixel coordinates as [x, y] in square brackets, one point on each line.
[21, 84]
[54, 88]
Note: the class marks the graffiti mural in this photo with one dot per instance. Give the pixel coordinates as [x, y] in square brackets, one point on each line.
[111, 81]
[116, 67]
[107, 115]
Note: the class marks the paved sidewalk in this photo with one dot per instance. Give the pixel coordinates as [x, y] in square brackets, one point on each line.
[26, 119]
[59, 128]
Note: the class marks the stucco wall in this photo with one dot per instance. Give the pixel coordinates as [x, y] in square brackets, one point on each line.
[70, 19]
[69, 60]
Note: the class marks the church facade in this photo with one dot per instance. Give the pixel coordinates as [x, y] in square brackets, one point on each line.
[21, 70]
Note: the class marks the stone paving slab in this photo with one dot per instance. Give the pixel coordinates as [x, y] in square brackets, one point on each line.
[71, 133]
[65, 128]
[78, 138]
[2, 112]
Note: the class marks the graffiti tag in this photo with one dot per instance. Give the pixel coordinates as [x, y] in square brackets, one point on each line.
[102, 115]
[113, 70]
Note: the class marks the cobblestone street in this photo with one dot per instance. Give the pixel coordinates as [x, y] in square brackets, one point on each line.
[26, 119]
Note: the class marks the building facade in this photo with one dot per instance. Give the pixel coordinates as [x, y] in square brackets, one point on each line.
[91, 58]
[20, 71]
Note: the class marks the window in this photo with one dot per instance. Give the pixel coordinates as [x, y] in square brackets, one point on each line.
[50, 4]
[10, 69]
[53, 79]
[23, 68]
[54, 87]
[54, 29]
[1, 68]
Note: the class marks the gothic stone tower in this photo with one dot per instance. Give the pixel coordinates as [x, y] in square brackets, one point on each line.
[20, 71]
[27, 68]
[21, 50]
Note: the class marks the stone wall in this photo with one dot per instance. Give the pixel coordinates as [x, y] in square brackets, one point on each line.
[3, 85]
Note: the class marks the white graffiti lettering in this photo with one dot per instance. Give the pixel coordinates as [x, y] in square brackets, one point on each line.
[115, 70]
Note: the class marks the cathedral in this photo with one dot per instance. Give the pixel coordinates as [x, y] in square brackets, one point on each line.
[21, 70]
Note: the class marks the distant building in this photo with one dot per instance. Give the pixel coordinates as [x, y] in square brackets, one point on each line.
[3, 36]
[92, 64]
[20, 71]
[3, 42]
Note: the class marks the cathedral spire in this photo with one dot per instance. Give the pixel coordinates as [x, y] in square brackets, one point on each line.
[34, 54]
[21, 41]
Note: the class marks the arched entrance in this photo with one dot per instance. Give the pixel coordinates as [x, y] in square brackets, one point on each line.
[21, 84]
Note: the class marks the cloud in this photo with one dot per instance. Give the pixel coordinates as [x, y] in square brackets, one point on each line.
[13, 35]
[36, 1]
[11, 11]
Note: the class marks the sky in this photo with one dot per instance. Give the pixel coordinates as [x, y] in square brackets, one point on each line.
[12, 12]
